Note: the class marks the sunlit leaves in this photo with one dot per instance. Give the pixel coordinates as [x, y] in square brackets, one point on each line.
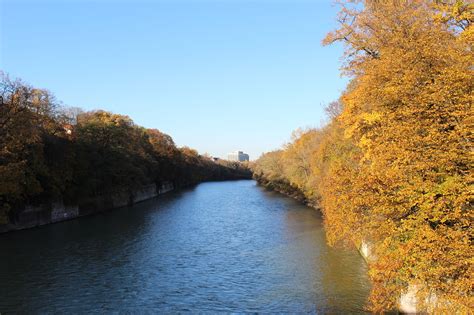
[395, 167]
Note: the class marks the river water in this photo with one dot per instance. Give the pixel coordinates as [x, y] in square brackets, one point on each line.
[221, 246]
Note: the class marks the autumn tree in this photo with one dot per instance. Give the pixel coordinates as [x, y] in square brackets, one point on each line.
[26, 114]
[409, 113]
[49, 151]
[393, 167]
[115, 150]
[297, 158]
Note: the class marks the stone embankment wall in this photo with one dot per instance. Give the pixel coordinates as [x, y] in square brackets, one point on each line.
[409, 301]
[57, 211]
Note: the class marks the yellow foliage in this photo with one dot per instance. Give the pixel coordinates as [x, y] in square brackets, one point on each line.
[395, 167]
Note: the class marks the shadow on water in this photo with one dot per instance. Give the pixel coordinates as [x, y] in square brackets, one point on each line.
[223, 246]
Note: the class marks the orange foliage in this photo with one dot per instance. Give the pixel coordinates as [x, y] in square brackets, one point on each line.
[395, 167]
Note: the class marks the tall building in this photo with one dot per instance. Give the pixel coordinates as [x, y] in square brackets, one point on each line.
[238, 156]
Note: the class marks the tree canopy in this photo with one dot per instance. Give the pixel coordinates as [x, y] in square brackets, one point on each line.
[50, 151]
[394, 165]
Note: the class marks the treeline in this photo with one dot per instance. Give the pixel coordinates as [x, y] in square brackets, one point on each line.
[393, 167]
[49, 151]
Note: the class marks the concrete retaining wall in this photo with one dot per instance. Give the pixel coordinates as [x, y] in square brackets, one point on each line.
[365, 249]
[61, 212]
[57, 211]
[410, 301]
[144, 193]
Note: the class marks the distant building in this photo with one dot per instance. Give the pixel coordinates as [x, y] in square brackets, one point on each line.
[238, 156]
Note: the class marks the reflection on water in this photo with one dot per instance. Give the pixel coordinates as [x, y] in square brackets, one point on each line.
[226, 246]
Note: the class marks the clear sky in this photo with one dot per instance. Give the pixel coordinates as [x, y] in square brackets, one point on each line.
[215, 75]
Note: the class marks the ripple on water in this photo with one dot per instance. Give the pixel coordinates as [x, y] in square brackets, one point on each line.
[226, 246]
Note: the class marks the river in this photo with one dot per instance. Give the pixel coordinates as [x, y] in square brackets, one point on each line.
[220, 246]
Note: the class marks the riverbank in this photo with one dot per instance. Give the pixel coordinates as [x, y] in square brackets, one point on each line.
[284, 188]
[408, 303]
[30, 215]
[57, 163]
[415, 298]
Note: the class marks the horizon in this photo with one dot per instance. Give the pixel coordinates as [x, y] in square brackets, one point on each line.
[215, 76]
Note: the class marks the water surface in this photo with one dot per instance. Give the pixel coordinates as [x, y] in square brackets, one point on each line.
[222, 246]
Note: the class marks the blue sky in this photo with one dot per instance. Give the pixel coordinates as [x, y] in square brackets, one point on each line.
[215, 75]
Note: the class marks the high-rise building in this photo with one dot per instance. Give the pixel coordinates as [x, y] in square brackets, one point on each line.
[238, 156]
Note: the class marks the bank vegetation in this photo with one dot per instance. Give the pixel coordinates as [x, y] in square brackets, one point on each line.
[393, 166]
[49, 151]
